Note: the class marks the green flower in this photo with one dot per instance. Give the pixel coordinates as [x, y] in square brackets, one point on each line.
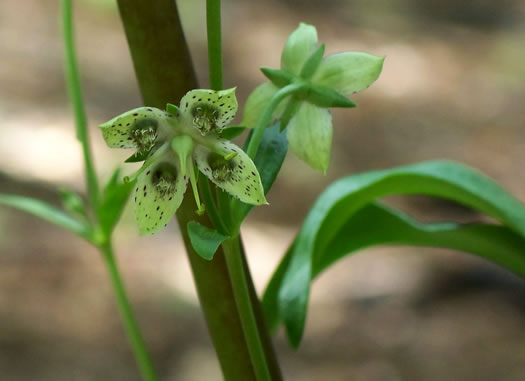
[172, 143]
[327, 81]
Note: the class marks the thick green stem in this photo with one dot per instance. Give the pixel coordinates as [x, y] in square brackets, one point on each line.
[164, 72]
[266, 116]
[75, 95]
[244, 304]
[126, 313]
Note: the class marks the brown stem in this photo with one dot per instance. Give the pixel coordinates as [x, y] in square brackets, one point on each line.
[165, 73]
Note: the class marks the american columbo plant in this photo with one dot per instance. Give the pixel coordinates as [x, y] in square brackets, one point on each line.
[174, 143]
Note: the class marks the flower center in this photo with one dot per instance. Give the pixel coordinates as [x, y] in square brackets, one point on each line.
[144, 134]
[165, 179]
[205, 117]
[221, 169]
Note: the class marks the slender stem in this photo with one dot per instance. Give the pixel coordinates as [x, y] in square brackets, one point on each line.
[77, 101]
[235, 265]
[266, 116]
[126, 313]
[213, 24]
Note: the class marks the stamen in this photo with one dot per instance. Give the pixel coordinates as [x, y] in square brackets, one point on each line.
[165, 179]
[221, 168]
[205, 118]
[144, 133]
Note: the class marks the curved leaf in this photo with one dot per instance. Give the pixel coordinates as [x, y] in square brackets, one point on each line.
[47, 212]
[495, 243]
[342, 199]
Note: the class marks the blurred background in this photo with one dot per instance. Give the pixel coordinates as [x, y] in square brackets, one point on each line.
[453, 86]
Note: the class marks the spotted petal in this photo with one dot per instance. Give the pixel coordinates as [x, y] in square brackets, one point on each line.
[158, 194]
[310, 135]
[135, 128]
[238, 176]
[210, 110]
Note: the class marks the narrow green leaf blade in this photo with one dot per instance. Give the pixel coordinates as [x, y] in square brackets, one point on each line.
[114, 200]
[498, 244]
[269, 159]
[204, 240]
[46, 212]
[232, 132]
[342, 199]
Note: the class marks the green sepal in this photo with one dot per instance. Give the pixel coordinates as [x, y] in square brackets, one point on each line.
[232, 132]
[139, 156]
[325, 97]
[278, 77]
[291, 108]
[72, 202]
[172, 109]
[204, 240]
[313, 62]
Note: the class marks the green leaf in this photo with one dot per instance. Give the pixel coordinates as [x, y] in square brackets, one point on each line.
[47, 212]
[204, 240]
[232, 132]
[172, 109]
[279, 78]
[342, 199]
[376, 224]
[348, 72]
[300, 45]
[114, 200]
[268, 160]
[72, 202]
[313, 62]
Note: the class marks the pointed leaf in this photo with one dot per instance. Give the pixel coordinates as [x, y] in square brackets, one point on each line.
[232, 132]
[72, 202]
[348, 72]
[115, 196]
[343, 198]
[299, 46]
[47, 212]
[268, 160]
[310, 135]
[204, 240]
[375, 224]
